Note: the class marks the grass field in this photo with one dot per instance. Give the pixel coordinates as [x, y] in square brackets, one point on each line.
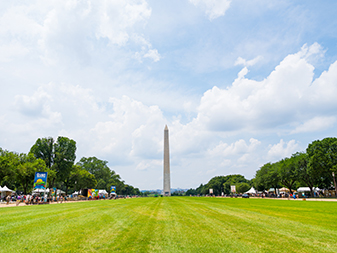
[175, 224]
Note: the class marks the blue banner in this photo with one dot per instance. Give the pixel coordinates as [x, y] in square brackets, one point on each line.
[113, 189]
[40, 180]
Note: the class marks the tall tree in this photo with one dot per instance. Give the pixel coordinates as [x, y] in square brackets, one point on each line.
[81, 179]
[267, 177]
[25, 171]
[65, 155]
[104, 176]
[288, 172]
[237, 180]
[322, 157]
[59, 156]
[307, 174]
[8, 163]
[242, 187]
[44, 149]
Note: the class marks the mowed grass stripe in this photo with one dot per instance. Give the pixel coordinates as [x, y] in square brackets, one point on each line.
[175, 224]
[266, 231]
[200, 232]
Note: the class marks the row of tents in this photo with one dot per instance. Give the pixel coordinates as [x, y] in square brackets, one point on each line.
[283, 190]
[101, 192]
[6, 191]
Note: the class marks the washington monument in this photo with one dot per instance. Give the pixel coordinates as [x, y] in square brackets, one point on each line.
[167, 182]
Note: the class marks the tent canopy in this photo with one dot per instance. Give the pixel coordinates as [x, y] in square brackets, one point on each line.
[307, 189]
[47, 190]
[102, 192]
[5, 189]
[251, 191]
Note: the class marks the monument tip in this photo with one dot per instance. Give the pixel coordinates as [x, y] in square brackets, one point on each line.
[166, 128]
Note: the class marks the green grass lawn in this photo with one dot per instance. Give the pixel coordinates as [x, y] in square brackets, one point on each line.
[175, 224]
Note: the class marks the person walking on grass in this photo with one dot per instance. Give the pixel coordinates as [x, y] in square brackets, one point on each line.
[18, 200]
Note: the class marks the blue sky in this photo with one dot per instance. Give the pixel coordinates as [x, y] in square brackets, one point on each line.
[239, 83]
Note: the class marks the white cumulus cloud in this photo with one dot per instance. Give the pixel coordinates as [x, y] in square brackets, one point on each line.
[133, 130]
[213, 8]
[315, 124]
[282, 149]
[244, 62]
[288, 95]
[60, 31]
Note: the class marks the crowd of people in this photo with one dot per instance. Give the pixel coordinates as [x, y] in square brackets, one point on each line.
[33, 199]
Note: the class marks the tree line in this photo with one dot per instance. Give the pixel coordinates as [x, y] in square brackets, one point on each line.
[223, 184]
[314, 168]
[57, 157]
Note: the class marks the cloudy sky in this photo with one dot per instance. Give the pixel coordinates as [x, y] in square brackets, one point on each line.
[239, 83]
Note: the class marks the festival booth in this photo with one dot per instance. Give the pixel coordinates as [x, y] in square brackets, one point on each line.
[252, 191]
[283, 190]
[75, 194]
[103, 194]
[113, 193]
[58, 191]
[92, 194]
[305, 191]
[5, 192]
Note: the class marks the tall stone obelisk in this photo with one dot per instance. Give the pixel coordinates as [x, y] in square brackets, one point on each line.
[167, 182]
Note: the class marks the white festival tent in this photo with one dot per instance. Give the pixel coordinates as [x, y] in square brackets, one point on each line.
[4, 191]
[102, 192]
[251, 191]
[307, 189]
[47, 191]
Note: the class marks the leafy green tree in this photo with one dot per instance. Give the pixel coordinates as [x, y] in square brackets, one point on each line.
[234, 180]
[104, 176]
[51, 176]
[267, 177]
[26, 169]
[200, 189]
[242, 187]
[59, 156]
[8, 163]
[216, 183]
[191, 192]
[219, 184]
[136, 191]
[288, 172]
[115, 180]
[101, 184]
[322, 161]
[65, 155]
[44, 149]
[146, 193]
[82, 179]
